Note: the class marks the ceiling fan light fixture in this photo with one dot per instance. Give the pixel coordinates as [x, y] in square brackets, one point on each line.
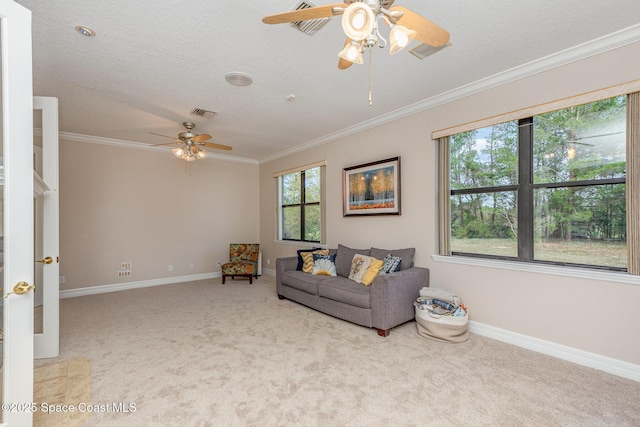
[178, 152]
[201, 154]
[352, 53]
[358, 21]
[399, 37]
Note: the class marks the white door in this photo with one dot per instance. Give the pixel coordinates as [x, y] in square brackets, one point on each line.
[17, 141]
[47, 247]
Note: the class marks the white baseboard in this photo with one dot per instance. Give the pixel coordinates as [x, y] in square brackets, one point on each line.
[269, 272]
[570, 354]
[101, 289]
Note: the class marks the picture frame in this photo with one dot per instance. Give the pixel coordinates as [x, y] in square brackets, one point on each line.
[372, 188]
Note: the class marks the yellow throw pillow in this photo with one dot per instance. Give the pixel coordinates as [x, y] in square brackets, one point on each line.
[372, 271]
[307, 259]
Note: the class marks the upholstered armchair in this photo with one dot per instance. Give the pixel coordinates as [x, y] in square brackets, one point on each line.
[243, 261]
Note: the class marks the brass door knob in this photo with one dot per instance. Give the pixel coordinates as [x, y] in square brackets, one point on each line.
[21, 288]
[47, 260]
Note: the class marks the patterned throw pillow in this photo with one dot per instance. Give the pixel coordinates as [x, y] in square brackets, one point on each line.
[372, 271]
[307, 259]
[359, 265]
[324, 265]
[300, 260]
[391, 264]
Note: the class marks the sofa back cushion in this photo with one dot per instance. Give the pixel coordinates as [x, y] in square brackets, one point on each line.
[405, 254]
[344, 256]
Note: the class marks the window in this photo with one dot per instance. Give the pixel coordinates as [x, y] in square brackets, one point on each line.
[548, 188]
[301, 215]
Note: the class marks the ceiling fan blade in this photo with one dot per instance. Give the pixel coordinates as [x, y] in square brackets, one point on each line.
[201, 138]
[343, 64]
[428, 32]
[168, 143]
[303, 14]
[158, 134]
[216, 146]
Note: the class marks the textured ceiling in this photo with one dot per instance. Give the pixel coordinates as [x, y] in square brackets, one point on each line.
[151, 63]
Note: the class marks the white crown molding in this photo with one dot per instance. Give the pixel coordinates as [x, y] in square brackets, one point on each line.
[594, 47]
[140, 146]
[570, 354]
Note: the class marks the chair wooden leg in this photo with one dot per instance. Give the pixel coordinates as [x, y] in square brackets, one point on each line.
[223, 278]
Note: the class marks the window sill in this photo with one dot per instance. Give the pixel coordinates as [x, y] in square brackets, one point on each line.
[303, 244]
[583, 273]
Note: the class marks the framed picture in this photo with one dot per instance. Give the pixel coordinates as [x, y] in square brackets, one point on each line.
[372, 188]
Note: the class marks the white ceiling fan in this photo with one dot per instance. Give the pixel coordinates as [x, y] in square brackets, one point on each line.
[191, 143]
[360, 20]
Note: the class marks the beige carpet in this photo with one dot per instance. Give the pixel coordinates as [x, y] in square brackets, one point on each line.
[206, 354]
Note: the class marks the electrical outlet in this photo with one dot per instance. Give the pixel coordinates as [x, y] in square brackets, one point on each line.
[62, 279]
[268, 260]
[190, 266]
[171, 268]
[218, 263]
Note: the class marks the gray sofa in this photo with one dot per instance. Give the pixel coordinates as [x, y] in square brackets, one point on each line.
[386, 303]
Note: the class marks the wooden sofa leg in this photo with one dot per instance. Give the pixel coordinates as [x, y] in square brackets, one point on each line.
[280, 296]
[384, 332]
[251, 279]
[223, 278]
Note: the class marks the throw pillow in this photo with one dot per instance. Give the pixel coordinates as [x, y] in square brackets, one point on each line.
[372, 271]
[405, 254]
[359, 266]
[307, 259]
[391, 264]
[300, 260]
[324, 265]
[344, 256]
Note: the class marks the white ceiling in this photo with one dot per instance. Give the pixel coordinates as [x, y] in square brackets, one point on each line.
[152, 62]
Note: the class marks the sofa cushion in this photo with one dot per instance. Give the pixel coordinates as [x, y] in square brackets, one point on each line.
[302, 281]
[405, 254]
[324, 264]
[344, 256]
[372, 271]
[346, 291]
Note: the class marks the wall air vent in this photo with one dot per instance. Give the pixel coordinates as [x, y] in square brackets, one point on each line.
[200, 112]
[311, 26]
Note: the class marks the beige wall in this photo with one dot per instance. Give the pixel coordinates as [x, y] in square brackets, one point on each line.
[119, 204]
[594, 316]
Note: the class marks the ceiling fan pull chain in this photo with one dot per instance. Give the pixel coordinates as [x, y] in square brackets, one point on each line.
[370, 76]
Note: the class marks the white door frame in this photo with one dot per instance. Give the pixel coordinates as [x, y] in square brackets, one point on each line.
[17, 138]
[47, 343]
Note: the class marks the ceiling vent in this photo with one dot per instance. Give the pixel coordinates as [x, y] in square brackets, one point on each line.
[200, 112]
[424, 50]
[311, 26]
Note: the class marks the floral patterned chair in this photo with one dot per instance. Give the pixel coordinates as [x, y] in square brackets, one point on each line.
[243, 261]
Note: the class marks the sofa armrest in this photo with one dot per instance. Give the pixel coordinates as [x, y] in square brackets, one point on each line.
[393, 295]
[282, 265]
